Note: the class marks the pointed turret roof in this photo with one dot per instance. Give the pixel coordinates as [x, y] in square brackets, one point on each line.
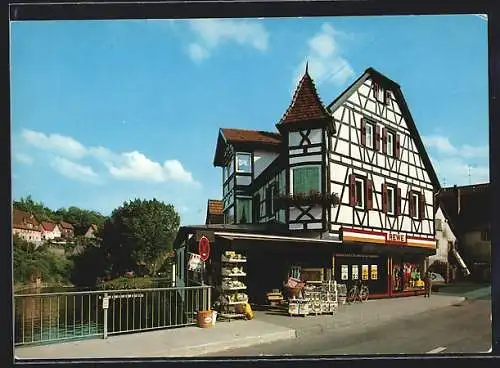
[306, 104]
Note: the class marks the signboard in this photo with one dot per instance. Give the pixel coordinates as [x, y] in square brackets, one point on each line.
[204, 234]
[374, 272]
[396, 238]
[195, 263]
[364, 272]
[105, 303]
[355, 272]
[344, 273]
[204, 248]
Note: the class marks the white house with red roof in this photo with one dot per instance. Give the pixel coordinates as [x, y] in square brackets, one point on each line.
[50, 230]
[26, 226]
[90, 233]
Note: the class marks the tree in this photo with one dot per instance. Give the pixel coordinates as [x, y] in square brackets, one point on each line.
[140, 232]
[81, 219]
[38, 209]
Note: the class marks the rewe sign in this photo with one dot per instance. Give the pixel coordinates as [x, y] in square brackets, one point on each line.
[396, 238]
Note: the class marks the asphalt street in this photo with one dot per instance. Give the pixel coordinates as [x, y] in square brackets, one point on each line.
[465, 328]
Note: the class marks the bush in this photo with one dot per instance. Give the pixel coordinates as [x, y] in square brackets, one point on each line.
[124, 282]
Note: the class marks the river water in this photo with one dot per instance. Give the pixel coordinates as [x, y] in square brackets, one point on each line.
[63, 316]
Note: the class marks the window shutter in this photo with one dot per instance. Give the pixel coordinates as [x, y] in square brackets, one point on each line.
[384, 198]
[398, 146]
[421, 206]
[377, 138]
[369, 194]
[256, 208]
[363, 132]
[398, 201]
[375, 90]
[384, 140]
[352, 190]
[411, 210]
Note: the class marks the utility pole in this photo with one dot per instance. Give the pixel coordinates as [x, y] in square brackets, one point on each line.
[469, 167]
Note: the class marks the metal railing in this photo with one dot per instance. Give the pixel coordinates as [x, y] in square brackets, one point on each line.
[54, 317]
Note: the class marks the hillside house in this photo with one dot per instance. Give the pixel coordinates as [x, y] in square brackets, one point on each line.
[26, 226]
[50, 230]
[67, 230]
[91, 231]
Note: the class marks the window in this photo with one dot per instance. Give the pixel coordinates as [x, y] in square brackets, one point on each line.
[391, 200]
[243, 162]
[438, 224]
[360, 193]
[414, 204]
[243, 210]
[390, 143]
[369, 135]
[271, 194]
[306, 179]
[379, 93]
[485, 235]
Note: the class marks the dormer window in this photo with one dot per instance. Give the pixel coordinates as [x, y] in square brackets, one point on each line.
[243, 162]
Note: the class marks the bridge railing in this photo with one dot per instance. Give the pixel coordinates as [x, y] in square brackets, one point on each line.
[53, 317]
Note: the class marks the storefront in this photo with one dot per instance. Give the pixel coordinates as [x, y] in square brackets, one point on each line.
[371, 269]
[407, 273]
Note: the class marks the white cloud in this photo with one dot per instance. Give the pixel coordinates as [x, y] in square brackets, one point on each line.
[454, 165]
[132, 165]
[23, 158]
[64, 145]
[197, 52]
[455, 171]
[74, 171]
[326, 64]
[443, 145]
[211, 33]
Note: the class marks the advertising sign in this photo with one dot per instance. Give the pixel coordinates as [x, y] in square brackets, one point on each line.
[195, 263]
[364, 272]
[204, 248]
[355, 272]
[374, 272]
[344, 273]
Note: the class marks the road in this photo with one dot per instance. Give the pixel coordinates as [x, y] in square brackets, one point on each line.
[457, 329]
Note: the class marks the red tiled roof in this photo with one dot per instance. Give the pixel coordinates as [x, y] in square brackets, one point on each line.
[22, 220]
[48, 226]
[306, 104]
[215, 207]
[66, 225]
[255, 136]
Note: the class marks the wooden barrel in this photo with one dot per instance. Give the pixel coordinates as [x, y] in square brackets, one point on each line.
[205, 319]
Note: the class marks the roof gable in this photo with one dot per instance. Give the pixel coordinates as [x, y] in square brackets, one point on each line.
[306, 104]
[395, 88]
[248, 139]
[48, 226]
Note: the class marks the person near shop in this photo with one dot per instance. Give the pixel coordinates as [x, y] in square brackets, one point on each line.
[427, 284]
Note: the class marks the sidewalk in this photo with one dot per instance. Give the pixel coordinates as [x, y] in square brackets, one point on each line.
[268, 326]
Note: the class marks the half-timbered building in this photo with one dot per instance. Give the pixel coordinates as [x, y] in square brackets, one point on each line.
[346, 190]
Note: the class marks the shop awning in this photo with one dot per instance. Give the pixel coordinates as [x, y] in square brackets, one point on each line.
[264, 237]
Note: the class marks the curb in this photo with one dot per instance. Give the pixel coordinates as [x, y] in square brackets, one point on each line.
[236, 343]
[476, 294]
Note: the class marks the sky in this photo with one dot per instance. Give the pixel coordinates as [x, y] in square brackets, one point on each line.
[103, 112]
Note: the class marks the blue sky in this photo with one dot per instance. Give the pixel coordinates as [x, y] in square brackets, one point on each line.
[107, 111]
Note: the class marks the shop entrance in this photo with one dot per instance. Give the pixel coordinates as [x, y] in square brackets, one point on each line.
[371, 269]
[406, 273]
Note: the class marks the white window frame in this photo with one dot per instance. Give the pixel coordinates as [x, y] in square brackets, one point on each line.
[391, 193]
[363, 199]
[416, 207]
[390, 143]
[292, 170]
[247, 154]
[369, 138]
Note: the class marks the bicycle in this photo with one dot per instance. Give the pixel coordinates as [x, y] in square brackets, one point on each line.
[357, 292]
